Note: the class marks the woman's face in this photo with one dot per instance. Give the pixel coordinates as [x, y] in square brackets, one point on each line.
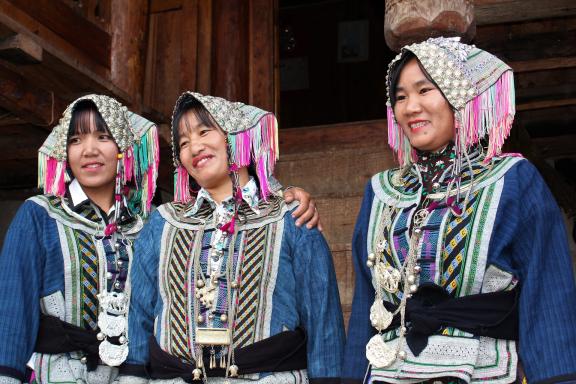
[203, 152]
[93, 157]
[422, 111]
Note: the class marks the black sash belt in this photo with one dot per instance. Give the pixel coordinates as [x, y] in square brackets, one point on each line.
[432, 308]
[285, 351]
[57, 336]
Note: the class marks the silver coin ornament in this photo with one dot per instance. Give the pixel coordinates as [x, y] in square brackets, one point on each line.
[111, 354]
[387, 277]
[380, 317]
[111, 325]
[378, 353]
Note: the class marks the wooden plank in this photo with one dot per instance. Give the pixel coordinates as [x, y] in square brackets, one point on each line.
[339, 172]
[512, 11]
[129, 27]
[262, 52]
[162, 82]
[556, 146]
[543, 104]
[62, 63]
[63, 21]
[543, 64]
[533, 40]
[25, 100]
[20, 49]
[189, 50]
[338, 217]
[333, 136]
[204, 47]
[230, 51]
[157, 6]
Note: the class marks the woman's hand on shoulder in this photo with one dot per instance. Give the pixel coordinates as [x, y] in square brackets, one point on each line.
[306, 213]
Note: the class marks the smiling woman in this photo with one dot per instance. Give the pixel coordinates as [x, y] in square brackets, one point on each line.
[64, 290]
[455, 250]
[421, 109]
[224, 270]
[92, 154]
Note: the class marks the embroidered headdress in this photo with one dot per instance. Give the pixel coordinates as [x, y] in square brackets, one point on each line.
[478, 86]
[137, 140]
[252, 137]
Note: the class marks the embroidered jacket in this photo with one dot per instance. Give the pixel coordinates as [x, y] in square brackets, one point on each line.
[511, 232]
[286, 275]
[53, 262]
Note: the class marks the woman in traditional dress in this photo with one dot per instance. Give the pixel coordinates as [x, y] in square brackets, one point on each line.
[229, 288]
[462, 268]
[64, 264]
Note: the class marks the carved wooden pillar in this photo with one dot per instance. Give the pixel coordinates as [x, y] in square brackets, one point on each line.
[410, 21]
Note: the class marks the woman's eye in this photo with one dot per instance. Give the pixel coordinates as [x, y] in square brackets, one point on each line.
[425, 90]
[105, 137]
[73, 140]
[203, 132]
[400, 97]
[183, 144]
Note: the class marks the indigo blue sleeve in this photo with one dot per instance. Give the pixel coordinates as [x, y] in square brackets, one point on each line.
[359, 327]
[318, 301]
[144, 290]
[21, 269]
[530, 239]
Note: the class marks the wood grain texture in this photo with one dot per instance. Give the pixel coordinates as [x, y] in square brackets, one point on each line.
[27, 101]
[513, 11]
[74, 29]
[129, 25]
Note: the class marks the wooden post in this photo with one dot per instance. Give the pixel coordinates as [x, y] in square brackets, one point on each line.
[411, 21]
[129, 25]
[230, 49]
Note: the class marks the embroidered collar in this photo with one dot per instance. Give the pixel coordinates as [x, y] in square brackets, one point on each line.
[78, 201]
[432, 165]
[249, 195]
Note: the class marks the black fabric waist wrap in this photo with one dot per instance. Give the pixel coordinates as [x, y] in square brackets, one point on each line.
[57, 336]
[285, 351]
[431, 308]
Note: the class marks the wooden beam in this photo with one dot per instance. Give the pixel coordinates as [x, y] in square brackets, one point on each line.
[543, 64]
[157, 6]
[31, 104]
[543, 104]
[62, 62]
[76, 30]
[20, 49]
[556, 146]
[512, 11]
[333, 136]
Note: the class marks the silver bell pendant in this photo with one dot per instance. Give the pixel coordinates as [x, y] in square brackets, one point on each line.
[196, 373]
[233, 370]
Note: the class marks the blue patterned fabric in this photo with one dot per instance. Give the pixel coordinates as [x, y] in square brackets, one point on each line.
[528, 241]
[305, 294]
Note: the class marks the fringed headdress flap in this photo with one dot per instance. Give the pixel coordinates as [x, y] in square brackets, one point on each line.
[478, 86]
[252, 135]
[137, 140]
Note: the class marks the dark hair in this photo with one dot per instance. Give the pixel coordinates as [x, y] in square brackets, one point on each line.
[397, 69]
[190, 104]
[83, 115]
